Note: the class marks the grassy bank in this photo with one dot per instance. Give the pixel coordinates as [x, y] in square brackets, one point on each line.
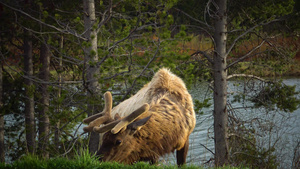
[82, 162]
[265, 70]
[265, 62]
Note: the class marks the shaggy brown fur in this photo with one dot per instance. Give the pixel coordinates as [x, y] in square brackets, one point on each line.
[171, 119]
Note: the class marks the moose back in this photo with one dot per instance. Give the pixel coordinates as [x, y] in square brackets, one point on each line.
[157, 120]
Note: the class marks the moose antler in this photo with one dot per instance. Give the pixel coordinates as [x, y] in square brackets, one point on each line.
[118, 125]
[100, 118]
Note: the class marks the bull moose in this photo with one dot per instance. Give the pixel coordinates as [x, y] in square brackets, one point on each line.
[157, 120]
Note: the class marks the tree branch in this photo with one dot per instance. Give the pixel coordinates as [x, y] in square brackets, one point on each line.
[246, 55]
[207, 149]
[105, 19]
[205, 55]
[246, 32]
[248, 76]
[133, 83]
[201, 22]
[65, 31]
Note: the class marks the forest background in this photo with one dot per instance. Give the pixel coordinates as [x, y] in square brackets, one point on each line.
[59, 57]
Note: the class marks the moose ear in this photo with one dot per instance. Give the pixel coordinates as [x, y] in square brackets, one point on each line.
[137, 125]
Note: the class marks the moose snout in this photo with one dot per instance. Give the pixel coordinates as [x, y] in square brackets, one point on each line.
[99, 156]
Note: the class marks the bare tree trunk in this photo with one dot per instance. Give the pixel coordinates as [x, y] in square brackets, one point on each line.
[57, 132]
[44, 101]
[92, 71]
[220, 86]
[2, 150]
[29, 89]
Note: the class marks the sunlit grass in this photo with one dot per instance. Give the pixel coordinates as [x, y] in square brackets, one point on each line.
[196, 43]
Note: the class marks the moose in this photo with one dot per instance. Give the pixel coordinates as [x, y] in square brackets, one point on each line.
[157, 120]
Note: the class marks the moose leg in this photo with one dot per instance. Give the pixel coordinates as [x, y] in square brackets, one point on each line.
[153, 161]
[150, 160]
[182, 153]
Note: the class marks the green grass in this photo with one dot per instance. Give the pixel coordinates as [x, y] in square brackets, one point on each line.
[31, 162]
[83, 161]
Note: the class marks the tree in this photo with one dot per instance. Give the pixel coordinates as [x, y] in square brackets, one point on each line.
[245, 20]
[29, 89]
[2, 150]
[220, 85]
[112, 40]
[44, 123]
[92, 70]
[117, 46]
[10, 98]
[58, 108]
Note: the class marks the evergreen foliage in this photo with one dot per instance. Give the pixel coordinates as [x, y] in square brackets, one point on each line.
[138, 38]
[279, 95]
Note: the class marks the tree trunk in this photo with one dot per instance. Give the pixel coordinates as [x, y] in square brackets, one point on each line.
[92, 71]
[2, 150]
[60, 69]
[44, 101]
[220, 86]
[29, 92]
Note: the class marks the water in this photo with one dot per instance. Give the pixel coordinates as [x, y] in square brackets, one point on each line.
[201, 149]
[285, 132]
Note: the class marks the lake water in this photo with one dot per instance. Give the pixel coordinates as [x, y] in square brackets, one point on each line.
[285, 131]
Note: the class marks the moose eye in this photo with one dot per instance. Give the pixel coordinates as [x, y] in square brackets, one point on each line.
[118, 142]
